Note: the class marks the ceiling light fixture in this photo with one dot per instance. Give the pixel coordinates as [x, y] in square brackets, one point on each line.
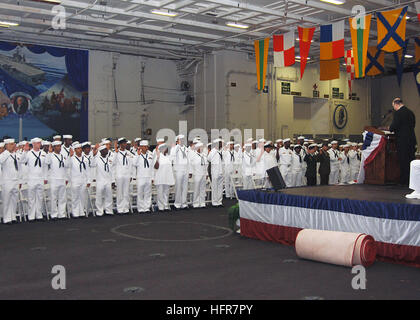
[8, 24]
[237, 25]
[166, 13]
[336, 2]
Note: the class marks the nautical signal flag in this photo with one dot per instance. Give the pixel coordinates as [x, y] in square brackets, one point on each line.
[350, 68]
[375, 62]
[417, 4]
[329, 69]
[305, 40]
[284, 49]
[261, 56]
[391, 29]
[399, 58]
[360, 28]
[332, 41]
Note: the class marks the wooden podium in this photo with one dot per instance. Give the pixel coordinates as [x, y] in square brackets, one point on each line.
[385, 168]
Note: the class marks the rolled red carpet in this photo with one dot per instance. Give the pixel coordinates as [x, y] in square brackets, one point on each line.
[341, 248]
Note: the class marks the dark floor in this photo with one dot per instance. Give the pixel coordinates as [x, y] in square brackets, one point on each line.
[194, 257]
[357, 192]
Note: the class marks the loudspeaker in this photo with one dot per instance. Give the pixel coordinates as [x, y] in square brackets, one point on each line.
[276, 178]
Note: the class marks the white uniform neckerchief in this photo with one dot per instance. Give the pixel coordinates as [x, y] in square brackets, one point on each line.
[106, 165]
[203, 163]
[60, 161]
[38, 159]
[81, 163]
[88, 157]
[15, 162]
[145, 161]
[184, 155]
[125, 161]
[68, 151]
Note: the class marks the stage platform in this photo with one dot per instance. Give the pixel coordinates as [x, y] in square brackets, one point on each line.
[380, 211]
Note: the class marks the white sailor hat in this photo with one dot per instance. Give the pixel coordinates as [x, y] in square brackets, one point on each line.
[199, 145]
[122, 139]
[297, 146]
[197, 138]
[249, 140]
[248, 145]
[346, 140]
[346, 146]
[330, 145]
[208, 144]
[217, 140]
[67, 136]
[76, 146]
[262, 140]
[87, 143]
[57, 137]
[286, 140]
[305, 143]
[23, 143]
[56, 143]
[137, 139]
[360, 144]
[101, 148]
[178, 137]
[301, 138]
[144, 143]
[279, 140]
[334, 142]
[229, 143]
[268, 144]
[74, 143]
[313, 145]
[159, 140]
[35, 140]
[195, 141]
[7, 141]
[162, 147]
[319, 145]
[105, 142]
[353, 144]
[128, 141]
[46, 143]
[237, 145]
[1, 144]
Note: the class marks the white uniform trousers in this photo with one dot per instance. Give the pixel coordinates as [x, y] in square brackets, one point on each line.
[10, 195]
[296, 178]
[58, 198]
[162, 196]
[181, 189]
[354, 173]
[345, 175]
[415, 176]
[247, 183]
[104, 200]
[334, 175]
[144, 194]
[286, 174]
[199, 197]
[123, 194]
[35, 199]
[78, 199]
[230, 193]
[217, 190]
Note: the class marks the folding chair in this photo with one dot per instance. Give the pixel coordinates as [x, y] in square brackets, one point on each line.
[236, 181]
[23, 201]
[208, 190]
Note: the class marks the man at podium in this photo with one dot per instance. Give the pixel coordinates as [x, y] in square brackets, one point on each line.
[403, 125]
